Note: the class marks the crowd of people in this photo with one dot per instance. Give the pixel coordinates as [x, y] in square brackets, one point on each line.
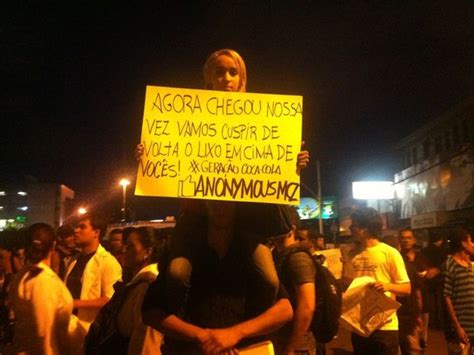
[54, 293]
[445, 284]
[58, 290]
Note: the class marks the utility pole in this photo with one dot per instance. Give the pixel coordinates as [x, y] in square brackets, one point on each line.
[320, 198]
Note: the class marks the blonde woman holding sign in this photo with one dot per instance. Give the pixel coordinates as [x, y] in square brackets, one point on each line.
[250, 223]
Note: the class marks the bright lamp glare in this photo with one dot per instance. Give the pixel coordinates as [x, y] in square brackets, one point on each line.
[124, 182]
[82, 210]
[373, 190]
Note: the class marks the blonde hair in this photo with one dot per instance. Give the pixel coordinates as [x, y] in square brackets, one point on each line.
[211, 61]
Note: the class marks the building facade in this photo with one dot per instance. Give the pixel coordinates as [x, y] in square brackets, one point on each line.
[436, 184]
[25, 201]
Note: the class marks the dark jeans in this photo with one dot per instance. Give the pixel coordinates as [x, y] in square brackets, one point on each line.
[409, 334]
[380, 342]
[435, 304]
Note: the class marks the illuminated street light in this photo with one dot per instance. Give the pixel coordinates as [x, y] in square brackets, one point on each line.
[124, 183]
[82, 210]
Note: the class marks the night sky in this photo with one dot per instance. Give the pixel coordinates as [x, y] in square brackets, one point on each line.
[74, 79]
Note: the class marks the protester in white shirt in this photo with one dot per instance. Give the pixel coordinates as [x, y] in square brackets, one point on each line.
[41, 303]
[386, 266]
[91, 277]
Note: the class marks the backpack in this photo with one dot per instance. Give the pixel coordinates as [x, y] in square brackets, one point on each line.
[325, 322]
[104, 336]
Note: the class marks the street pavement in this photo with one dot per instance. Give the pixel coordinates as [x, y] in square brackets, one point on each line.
[342, 344]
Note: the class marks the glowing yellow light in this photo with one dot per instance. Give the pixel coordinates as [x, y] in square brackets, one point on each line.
[445, 178]
[82, 210]
[124, 182]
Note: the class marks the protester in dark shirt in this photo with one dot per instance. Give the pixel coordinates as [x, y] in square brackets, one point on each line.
[307, 237]
[436, 255]
[220, 314]
[116, 244]
[65, 251]
[409, 314]
[297, 272]
[74, 279]
[320, 242]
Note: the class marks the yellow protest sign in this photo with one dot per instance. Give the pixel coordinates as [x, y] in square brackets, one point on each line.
[220, 145]
[333, 261]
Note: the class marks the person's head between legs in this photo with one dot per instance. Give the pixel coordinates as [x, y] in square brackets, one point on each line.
[65, 237]
[88, 231]
[366, 224]
[407, 240]
[40, 240]
[225, 70]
